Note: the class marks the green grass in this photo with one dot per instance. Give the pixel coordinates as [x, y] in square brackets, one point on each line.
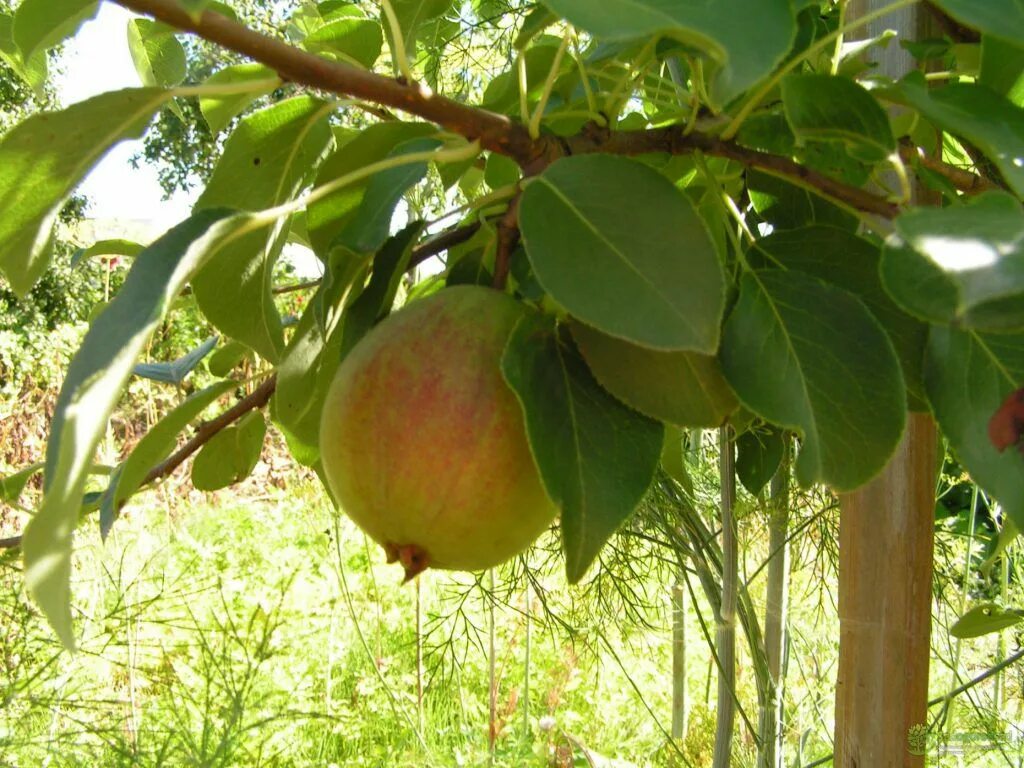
[258, 629]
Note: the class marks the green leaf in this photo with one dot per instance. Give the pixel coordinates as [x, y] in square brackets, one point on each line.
[596, 456]
[502, 92]
[43, 159]
[268, 159]
[375, 301]
[673, 460]
[852, 263]
[317, 348]
[623, 250]
[12, 486]
[536, 21]
[219, 111]
[985, 620]
[93, 384]
[743, 41]
[175, 371]
[827, 108]
[808, 356]
[682, 388]
[758, 456]
[41, 24]
[155, 446]
[991, 122]
[968, 376]
[353, 40]
[227, 358]
[231, 455]
[999, 18]
[312, 359]
[34, 70]
[787, 206]
[960, 265]
[368, 229]
[1002, 67]
[158, 56]
[413, 16]
[328, 216]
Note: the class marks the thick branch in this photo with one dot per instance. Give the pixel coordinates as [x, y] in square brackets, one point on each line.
[674, 140]
[495, 132]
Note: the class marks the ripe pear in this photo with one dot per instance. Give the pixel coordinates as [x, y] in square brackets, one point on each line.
[423, 443]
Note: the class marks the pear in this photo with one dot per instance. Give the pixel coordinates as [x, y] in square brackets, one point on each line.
[423, 443]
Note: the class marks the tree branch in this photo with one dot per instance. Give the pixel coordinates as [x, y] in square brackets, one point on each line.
[495, 132]
[256, 399]
[675, 140]
[965, 181]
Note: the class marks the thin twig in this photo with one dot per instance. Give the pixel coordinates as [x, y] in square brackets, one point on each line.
[965, 181]
[508, 239]
[495, 132]
[261, 395]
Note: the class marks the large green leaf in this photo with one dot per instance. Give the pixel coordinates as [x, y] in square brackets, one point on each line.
[413, 16]
[368, 228]
[219, 111]
[682, 388]
[963, 264]
[968, 376]
[93, 384]
[45, 157]
[311, 360]
[357, 41]
[375, 301]
[158, 56]
[1002, 67]
[231, 454]
[41, 24]
[991, 122]
[850, 262]
[830, 108]
[999, 18]
[596, 456]
[623, 250]
[267, 161]
[328, 216]
[34, 70]
[744, 41]
[808, 356]
[155, 446]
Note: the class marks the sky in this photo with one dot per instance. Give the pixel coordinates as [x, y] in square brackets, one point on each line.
[97, 60]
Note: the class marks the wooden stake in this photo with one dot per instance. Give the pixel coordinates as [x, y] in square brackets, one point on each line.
[885, 590]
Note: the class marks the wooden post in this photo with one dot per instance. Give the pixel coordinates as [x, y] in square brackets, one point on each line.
[885, 589]
[886, 534]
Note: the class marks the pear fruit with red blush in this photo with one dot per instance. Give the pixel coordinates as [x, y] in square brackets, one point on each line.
[423, 443]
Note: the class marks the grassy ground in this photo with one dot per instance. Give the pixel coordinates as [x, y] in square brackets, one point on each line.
[259, 629]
